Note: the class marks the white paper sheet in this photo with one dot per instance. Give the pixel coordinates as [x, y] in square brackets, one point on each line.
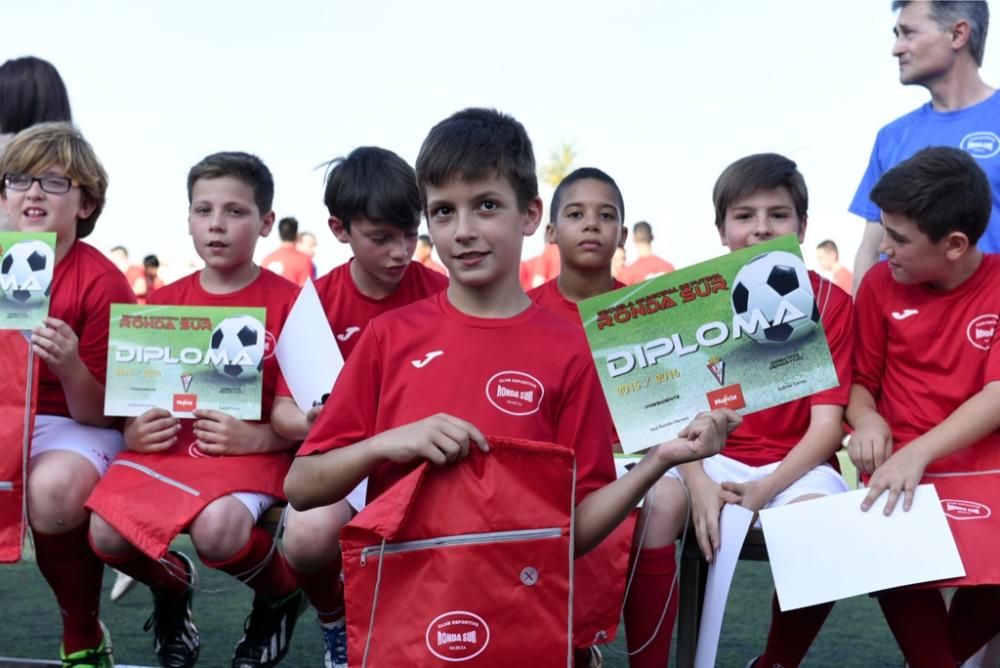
[734, 522]
[307, 352]
[827, 549]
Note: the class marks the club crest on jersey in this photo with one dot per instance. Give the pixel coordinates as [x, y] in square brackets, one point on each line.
[981, 330]
[269, 344]
[458, 635]
[959, 509]
[515, 392]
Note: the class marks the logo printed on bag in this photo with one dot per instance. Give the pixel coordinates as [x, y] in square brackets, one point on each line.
[458, 635]
[959, 509]
[515, 392]
[981, 329]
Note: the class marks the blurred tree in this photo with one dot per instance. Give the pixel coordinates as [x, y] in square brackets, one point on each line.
[559, 164]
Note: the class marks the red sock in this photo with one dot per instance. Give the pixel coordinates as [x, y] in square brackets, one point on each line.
[791, 634]
[74, 574]
[273, 580]
[919, 622]
[654, 574]
[974, 618]
[324, 590]
[165, 577]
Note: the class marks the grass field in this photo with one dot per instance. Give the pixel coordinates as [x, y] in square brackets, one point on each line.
[855, 634]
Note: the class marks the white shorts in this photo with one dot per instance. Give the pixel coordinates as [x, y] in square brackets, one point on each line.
[256, 502]
[823, 479]
[97, 445]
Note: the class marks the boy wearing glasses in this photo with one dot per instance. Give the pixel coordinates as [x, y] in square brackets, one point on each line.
[53, 182]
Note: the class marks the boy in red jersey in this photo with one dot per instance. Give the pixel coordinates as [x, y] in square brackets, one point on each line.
[214, 475]
[374, 207]
[777, 456]
[53, 182]
[925, 404]
[427, 380]
[586, 225]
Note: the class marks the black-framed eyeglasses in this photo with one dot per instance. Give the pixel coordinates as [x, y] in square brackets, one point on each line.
[54, 185]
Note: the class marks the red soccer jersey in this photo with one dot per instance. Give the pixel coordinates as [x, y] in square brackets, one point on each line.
[84, 285]
[766, 436]
[289, 262]
[268, 290]
[644, 268]
[549, 296]
[923, 353]
[502, 375]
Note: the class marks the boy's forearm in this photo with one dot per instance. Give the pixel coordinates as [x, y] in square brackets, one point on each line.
[977, 417]
[270, 441]
[288, 421]
[820, 442]
[606, 508]
[325, 478]
[85, 398]
[861, 405]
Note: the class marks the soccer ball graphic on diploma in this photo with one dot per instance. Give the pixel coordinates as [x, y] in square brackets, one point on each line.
[777, 285]
[26, 272]
[242, 339]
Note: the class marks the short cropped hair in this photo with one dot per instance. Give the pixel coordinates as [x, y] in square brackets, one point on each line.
[761, 171]
[373, 183]
[59, 145]
[241, 166]
[151, 261]
[475, 144]
[425, 239]
[949, 12]
[828, 245]
[579, 175]
[288, 229]
[31, 92]
[941, 189]
[642, 232]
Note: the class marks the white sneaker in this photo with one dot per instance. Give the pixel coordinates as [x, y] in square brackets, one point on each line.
[123, 584]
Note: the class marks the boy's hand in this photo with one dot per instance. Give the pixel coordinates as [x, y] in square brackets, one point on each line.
[871, 443]
[440, 439]
[703, 437]
[57, 345]
[707, 499]
[752, 495]
[219, 433]
[153, 431]
[902, 473]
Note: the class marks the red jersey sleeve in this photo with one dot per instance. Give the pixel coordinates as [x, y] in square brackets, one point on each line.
[350, 413]
[837, 316]
[869, 334]
[585, 425]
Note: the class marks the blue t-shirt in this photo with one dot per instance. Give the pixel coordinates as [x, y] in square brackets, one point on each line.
[974, 129]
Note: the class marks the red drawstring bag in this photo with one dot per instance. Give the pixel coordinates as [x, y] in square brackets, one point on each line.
[18, 395]
[469, 563]
[971, 502]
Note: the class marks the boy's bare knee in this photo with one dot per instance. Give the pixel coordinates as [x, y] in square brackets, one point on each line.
[106, 538]
[58, 486]
[664, 512]
[222, 529]
[311, 537]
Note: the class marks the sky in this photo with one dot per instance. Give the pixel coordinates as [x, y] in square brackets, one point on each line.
[661, 95]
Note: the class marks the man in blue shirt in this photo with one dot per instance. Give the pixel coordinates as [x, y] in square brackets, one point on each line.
[939, 46]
